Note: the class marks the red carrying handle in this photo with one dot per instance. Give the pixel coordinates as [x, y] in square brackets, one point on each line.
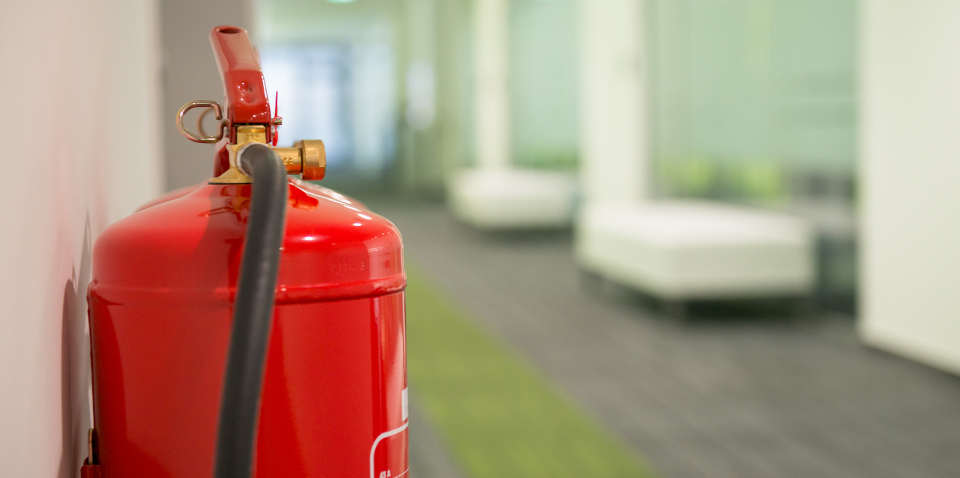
[242, 79]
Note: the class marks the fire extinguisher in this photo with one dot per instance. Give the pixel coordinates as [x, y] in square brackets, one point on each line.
[252, 325]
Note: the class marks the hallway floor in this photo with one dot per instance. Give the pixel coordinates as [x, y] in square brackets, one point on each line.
[718, 397]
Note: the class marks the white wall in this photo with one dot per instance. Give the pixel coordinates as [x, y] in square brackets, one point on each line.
[910, 161]
[81, 149]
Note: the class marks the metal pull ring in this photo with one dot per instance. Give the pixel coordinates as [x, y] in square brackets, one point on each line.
[203, 137]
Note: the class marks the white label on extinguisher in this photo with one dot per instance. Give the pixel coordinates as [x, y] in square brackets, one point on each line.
[387, 472]
[388, 455]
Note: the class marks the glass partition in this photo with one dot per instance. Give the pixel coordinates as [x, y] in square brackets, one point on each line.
[544, 102]
[754, 100]
[334, 66]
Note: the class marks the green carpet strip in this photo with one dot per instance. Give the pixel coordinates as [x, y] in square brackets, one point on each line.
[497, 414]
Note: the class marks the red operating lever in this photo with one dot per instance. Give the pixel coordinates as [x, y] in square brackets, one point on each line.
[239, 63]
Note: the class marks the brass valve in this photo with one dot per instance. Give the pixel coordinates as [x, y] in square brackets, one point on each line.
[307, 157]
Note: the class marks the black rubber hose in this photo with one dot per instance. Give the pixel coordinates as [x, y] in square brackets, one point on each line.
[252, 315]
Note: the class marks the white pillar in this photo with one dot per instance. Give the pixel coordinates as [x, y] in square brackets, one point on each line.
[615, 160]
[492, 95]
[910, 179]
[420, 165]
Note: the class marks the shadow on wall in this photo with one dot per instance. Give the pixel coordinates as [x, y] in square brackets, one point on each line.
[75, 365]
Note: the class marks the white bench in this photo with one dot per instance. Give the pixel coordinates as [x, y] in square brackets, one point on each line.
[513, 198]
[679, 250]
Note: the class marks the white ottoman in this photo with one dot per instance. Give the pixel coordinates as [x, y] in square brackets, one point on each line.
[678, 250]
[513, 198]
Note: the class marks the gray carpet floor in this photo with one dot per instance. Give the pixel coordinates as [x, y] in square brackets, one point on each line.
[765, 394]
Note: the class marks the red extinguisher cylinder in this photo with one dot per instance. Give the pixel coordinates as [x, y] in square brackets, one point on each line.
[334, 394]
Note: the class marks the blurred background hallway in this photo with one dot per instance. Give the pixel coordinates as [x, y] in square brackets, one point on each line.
[731, 391]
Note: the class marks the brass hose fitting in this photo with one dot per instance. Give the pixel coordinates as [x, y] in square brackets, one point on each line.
[307, 157]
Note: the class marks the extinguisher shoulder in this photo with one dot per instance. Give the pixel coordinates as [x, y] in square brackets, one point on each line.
[164, 244]
[334, 247]
[188, 246]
